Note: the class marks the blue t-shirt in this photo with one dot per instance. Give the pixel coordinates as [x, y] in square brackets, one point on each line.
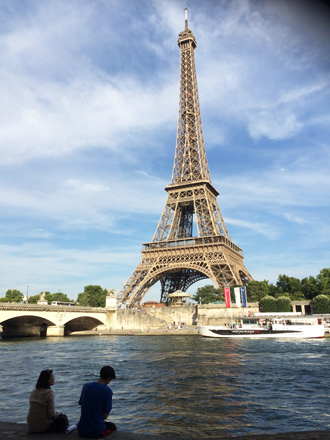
[95, 400]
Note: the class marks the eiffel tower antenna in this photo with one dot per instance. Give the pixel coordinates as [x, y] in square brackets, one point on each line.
[175, 256]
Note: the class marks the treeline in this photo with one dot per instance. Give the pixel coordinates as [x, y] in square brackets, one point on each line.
[295, 289]
[291, 287]
[320, 304]
[92, 296]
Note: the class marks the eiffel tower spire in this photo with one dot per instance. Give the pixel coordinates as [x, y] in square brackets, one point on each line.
[177, 256]
[190, 161]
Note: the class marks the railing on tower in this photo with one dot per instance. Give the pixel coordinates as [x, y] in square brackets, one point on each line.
[192, 241]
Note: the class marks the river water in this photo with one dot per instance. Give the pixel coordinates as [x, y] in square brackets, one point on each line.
[184, 385]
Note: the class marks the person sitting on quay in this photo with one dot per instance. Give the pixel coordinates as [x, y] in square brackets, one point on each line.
[42, 416]
[96, 404]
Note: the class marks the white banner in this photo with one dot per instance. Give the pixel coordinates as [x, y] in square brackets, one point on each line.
[237, 296]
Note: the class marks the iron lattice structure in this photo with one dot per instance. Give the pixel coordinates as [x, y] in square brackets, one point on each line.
[176, 257]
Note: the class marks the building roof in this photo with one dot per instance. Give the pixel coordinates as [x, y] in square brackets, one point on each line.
[179, 294]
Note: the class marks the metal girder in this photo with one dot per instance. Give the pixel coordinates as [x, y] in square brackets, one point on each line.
[216, 258]
[180, 279]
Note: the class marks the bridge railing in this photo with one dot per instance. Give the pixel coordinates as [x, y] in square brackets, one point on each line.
[50, 308]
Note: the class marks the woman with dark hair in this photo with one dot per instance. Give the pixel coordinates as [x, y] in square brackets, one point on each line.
[42, 416]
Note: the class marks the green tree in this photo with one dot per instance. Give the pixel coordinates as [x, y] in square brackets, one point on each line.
[310, 287]
[272, 290]
[320, 304]
[268, 304]
[60, 296]
[33, 299]
[83, 299]
[208, 294]
[287, 284]
[323, 280]
[14, 296]
[257, 290]
[297, 296]
[93, 296]
[279, 294]
[283, 304]
[48, 297]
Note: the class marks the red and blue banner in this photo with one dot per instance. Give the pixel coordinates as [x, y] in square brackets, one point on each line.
[243, 296]
[227, 296]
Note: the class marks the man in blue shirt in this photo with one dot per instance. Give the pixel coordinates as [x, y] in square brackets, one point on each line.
[96, 404]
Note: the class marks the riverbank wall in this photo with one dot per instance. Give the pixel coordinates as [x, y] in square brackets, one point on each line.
[202, 314]
[35, 320]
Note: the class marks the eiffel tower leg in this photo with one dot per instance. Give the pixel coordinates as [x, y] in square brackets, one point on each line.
[228, 270]
[135, 288]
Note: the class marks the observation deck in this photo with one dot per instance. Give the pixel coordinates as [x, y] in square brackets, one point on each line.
[192, 241]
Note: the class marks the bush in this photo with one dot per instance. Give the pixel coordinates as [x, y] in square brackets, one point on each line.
[320, 304]
[283, 304]
[268, 304]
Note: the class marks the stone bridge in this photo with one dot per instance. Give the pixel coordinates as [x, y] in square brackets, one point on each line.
[50, 320]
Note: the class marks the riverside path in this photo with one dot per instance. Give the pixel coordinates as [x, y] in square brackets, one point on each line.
[14, 431]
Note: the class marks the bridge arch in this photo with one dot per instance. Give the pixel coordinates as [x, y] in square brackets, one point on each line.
[27, 325]
[40, 320]
[81, 323]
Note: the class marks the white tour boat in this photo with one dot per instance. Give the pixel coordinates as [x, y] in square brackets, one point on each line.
[268, 325]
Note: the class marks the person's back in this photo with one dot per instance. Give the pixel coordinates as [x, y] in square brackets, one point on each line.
[42, 410]
[96, 404]
[42, 416]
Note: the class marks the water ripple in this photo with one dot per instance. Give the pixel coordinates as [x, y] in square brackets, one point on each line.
[184, 386]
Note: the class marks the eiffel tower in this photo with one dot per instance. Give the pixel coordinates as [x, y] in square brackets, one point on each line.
[175, 256]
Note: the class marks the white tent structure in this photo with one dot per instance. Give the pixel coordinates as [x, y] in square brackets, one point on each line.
[176, 298]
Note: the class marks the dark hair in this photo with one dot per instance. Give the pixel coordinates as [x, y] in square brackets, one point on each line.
[107, 372]
[43, 379]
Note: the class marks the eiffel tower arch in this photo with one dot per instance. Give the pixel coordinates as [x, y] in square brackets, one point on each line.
[175, 256]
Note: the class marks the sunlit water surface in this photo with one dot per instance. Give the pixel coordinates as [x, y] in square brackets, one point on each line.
[185, 385]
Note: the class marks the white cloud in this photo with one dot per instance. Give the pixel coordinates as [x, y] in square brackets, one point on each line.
[88, 125]
[258, 228]
[84, 187]
[274, 125]
[300, 220]
[46, 267]
[292, 187]
[57, 119]
[56, 100]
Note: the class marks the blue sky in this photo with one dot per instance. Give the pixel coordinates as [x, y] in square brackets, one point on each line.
[89, 103]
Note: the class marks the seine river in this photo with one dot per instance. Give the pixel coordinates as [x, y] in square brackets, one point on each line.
[183, 385]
